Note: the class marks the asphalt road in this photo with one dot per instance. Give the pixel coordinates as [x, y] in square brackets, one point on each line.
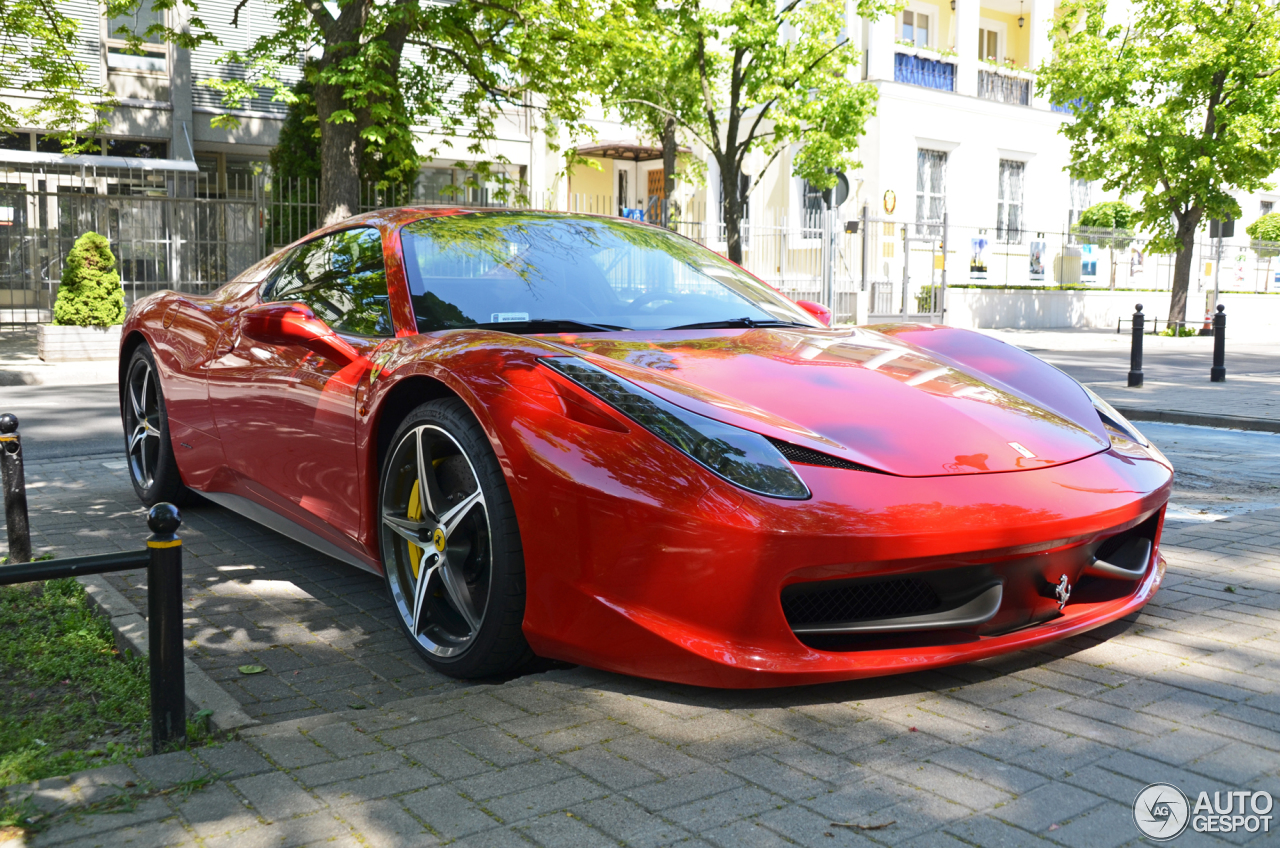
[58, 421]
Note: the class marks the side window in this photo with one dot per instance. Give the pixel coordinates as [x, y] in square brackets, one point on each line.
[343, 279]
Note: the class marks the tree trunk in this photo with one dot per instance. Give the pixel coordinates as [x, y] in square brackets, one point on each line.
[1113, 268]
[1187, 225]
[732, 212]
[668, 167]
[339, 158]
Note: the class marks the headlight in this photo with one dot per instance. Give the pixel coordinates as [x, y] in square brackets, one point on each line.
[740, 456]
[1113, 420]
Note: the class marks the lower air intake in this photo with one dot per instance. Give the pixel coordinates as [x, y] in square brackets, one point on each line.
[811, 603]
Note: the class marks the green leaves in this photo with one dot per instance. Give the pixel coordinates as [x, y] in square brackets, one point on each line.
[1180, 107]
[252, 669]
[90, 294]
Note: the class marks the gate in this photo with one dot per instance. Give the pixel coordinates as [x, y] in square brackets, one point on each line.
[905, 270]
[178, 230]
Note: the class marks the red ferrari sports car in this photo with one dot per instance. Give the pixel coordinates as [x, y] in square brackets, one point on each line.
[597, 441]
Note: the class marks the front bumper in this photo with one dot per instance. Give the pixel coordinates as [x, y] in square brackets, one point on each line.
[679, 576]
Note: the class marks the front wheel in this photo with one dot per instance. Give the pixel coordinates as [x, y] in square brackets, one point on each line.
[149, 451]
[450, 545]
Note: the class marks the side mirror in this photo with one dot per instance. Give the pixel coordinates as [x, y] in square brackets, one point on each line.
[285, 324]
[817, 310]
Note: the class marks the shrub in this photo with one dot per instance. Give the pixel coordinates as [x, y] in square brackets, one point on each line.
[90, 294]
[1266, 228]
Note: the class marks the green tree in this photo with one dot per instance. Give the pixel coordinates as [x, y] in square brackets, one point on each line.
[40, 60]
[90, 294]
[1181, 107]
[653, 36]
[386, 67]
[1107, 224]
[754, 75]
[1265, 233]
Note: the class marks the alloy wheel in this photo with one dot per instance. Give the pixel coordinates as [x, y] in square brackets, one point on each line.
[436, 540]
[142, 423]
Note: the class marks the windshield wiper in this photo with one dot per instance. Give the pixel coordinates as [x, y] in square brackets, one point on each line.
[751, 323]
[546, 325]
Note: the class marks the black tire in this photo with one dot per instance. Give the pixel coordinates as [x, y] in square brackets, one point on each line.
[153, 469]
[466, 619]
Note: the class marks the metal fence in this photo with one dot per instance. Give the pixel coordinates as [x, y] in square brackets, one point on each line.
[191, 231]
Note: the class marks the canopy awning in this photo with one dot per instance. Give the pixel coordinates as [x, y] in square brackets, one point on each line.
[629, 150]
[124, 163]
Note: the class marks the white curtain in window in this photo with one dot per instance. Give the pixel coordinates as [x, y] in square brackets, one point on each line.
[931, 186]
[1009, 207]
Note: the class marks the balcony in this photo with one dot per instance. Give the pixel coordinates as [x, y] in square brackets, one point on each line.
[1004, 87]
[923, 71]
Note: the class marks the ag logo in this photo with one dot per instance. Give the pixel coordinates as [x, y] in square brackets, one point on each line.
[1161, 812]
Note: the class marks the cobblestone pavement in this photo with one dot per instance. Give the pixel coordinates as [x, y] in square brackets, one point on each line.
[322, 628]
[1043, 747]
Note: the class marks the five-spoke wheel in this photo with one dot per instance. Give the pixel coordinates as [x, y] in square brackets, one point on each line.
[152, 466]
[449, 544]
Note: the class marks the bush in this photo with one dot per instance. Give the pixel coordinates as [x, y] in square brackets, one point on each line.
[90, 294]
[1265, 229]
[1110, 215]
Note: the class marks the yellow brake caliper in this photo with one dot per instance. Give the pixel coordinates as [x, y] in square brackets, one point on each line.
[415, 514]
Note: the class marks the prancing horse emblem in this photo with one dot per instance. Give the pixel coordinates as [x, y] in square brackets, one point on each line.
[1062, 592]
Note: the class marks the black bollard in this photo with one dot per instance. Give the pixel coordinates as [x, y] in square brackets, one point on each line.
[1135, 350]
[15, 490]
[1218, 373]
[164, 626]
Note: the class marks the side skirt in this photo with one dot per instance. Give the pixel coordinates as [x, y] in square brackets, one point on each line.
[272, 520]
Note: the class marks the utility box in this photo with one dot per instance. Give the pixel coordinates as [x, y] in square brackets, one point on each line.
[1066, 266]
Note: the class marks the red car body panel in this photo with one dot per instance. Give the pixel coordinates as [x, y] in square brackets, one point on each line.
[640, 560]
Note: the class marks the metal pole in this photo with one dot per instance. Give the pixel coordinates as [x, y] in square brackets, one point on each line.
[15, 490]
[1217, 266]
[1218, 373]
[906, 270]
[164, 628]
[1135, 350]
[941, 303]
[866, 243]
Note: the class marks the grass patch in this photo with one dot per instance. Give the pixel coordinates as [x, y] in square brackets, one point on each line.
[68, 699]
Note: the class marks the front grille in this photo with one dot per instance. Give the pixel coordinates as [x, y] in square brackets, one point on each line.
[806, 456]
[810, 604]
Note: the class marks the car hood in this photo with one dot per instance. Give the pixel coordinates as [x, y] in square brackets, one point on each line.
[889, 398]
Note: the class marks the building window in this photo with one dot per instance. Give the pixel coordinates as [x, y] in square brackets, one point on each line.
[134, 149]
[136, 22]
[915, 28]
[1265, 207]
[1009, 207]
[1079, 201]
[811, 207]
[622, 192]
[931, 191]
[988, 45]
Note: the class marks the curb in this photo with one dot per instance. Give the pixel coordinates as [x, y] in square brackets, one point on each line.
[130, 629]
[1230, 422]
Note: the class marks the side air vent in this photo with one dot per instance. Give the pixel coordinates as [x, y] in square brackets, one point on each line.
[814, 604]
[806, 456]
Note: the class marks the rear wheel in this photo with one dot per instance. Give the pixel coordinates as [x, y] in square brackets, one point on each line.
[450, 545]
[152, 466]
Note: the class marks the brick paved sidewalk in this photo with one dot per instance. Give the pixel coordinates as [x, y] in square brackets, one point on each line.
[1045, 747]
[1041, 748]
[323, 629]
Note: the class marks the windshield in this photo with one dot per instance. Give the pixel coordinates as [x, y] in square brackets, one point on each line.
[526, 268]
